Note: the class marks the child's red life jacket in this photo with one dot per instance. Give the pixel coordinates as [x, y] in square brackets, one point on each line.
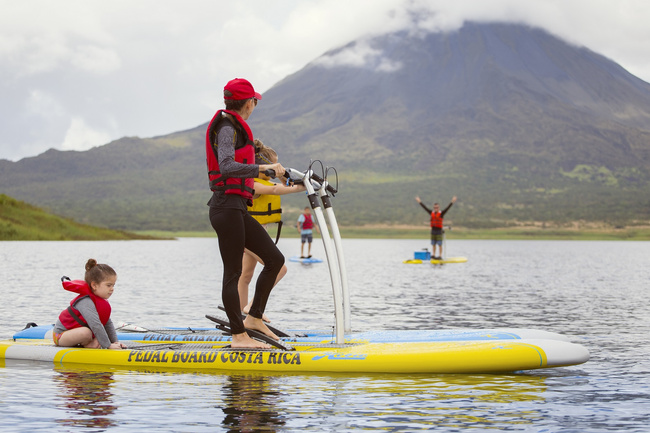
[67, 316]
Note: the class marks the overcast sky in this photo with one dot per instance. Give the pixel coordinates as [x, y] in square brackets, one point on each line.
[75, 74]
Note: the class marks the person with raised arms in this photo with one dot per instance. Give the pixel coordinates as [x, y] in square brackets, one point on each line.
[437, 230]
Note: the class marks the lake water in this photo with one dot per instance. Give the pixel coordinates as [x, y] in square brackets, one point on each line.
[595, 292]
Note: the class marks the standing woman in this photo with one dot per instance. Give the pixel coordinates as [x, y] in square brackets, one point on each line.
[231, 169]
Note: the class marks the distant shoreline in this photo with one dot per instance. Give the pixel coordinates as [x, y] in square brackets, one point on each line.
[641, 233]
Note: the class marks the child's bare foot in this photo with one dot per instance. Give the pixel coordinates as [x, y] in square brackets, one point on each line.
[247, 308]
[256, 324]
[244, 341]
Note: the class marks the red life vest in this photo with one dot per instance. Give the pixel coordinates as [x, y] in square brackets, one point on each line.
[436, 220]
[244, 154]
[308, 223]
[81, 287]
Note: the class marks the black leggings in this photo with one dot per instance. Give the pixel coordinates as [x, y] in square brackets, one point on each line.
[236, 229]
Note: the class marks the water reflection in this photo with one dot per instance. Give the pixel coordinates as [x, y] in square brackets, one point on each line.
[86, 397]
[251, 403]
[280, 402]
[458, 401]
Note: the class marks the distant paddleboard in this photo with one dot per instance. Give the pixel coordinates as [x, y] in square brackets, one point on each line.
[305, 260]
[424, 256]
[436, 261]
[449, 260]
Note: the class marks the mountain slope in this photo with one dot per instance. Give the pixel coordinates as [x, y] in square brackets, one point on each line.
[511, 85]
[20, 221]
[515, 122]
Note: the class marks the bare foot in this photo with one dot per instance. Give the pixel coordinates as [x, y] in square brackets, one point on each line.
[244, 341]
[247, 308]
[251, 322]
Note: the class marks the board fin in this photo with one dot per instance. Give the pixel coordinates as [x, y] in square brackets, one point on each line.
[224, 325]
[280, 333]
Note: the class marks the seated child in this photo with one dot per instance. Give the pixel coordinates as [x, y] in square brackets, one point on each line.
[87, 321]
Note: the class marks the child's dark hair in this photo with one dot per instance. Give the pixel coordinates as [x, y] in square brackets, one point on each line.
[97, 272]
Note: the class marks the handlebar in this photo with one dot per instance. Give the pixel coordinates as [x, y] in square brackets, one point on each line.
[293, 175]
[320, 180]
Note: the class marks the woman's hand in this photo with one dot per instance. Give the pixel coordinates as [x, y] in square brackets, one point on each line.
[277, 167]
[117, 346]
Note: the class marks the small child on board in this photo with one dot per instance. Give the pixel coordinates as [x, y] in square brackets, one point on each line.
[87, 321]
[264, 190]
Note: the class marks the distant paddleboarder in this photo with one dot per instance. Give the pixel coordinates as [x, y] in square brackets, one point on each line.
[437, 231]
[305, 228]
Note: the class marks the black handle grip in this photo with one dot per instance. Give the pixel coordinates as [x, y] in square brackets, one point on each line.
[320, 180]
[271, 173]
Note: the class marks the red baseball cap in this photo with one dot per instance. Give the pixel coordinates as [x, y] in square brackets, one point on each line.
[240, 89]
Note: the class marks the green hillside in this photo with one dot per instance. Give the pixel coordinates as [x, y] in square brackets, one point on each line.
[20, 221]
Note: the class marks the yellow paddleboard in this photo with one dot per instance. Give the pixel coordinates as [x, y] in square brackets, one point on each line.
[420, 357]
[437, 262]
